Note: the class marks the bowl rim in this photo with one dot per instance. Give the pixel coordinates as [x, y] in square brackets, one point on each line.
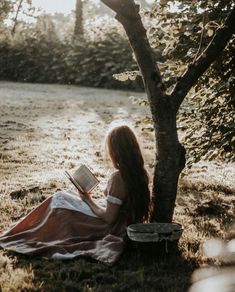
[130, 228]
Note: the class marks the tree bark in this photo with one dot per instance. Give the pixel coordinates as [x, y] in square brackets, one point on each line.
[78, 29]
[168, 149]
[170, 154]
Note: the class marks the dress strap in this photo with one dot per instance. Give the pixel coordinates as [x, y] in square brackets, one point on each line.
[114, 200]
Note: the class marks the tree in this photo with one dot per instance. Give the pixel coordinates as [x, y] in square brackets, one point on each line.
[5, 7]
[180, 35]
[79, 29]
[170, 154]
[16, 8]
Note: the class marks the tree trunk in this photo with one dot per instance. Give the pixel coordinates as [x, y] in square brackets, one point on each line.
[78, 29]
[170, 154]
[170, 160]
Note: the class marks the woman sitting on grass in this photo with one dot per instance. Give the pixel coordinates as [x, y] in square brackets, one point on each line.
[67, 225]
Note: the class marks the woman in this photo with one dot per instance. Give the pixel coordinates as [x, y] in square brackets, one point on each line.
[67, 225]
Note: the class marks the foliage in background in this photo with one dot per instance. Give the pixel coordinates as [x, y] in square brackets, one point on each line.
[13, 9]
[5, 8]
[42, 52]
[207, 116]
[46, 51]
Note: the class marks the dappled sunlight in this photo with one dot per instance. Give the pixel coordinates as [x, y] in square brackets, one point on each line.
[181, 53]
[47, 129]
[15, 278]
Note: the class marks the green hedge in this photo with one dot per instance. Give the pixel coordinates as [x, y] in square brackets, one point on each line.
[44, 58]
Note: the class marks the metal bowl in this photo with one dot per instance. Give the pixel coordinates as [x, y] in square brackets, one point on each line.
[154, 232]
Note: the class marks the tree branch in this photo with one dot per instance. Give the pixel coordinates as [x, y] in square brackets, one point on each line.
[16, 17]
[202, 34]
[203, 62]
[127, 13]
[120, 6]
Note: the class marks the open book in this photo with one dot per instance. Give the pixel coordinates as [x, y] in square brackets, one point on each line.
[83, 179]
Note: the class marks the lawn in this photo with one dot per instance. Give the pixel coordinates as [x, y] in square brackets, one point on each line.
[46, 129]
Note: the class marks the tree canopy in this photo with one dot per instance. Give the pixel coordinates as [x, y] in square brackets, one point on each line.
[181, 35]
[178, 32]
[165, 102]
[5, 7]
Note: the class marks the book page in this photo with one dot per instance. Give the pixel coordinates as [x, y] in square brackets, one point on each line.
[85, 178]
[69, 176]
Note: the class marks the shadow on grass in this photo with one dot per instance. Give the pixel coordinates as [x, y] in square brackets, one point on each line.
[138, 270]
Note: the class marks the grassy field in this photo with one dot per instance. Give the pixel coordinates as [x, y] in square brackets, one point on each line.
[45, 129]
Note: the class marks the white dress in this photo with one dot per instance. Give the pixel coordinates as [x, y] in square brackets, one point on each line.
[63, 227]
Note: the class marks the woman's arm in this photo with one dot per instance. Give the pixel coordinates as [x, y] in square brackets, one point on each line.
[108, 214]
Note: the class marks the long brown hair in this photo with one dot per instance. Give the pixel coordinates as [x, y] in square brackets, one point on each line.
[126, 156]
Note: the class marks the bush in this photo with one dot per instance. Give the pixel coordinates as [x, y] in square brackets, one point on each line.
[34, 55]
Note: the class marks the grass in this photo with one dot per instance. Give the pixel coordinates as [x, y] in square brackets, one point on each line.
[203, 214]
[36, 146]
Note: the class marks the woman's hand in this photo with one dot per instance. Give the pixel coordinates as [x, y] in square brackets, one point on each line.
[108, 214]
[85, 196]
